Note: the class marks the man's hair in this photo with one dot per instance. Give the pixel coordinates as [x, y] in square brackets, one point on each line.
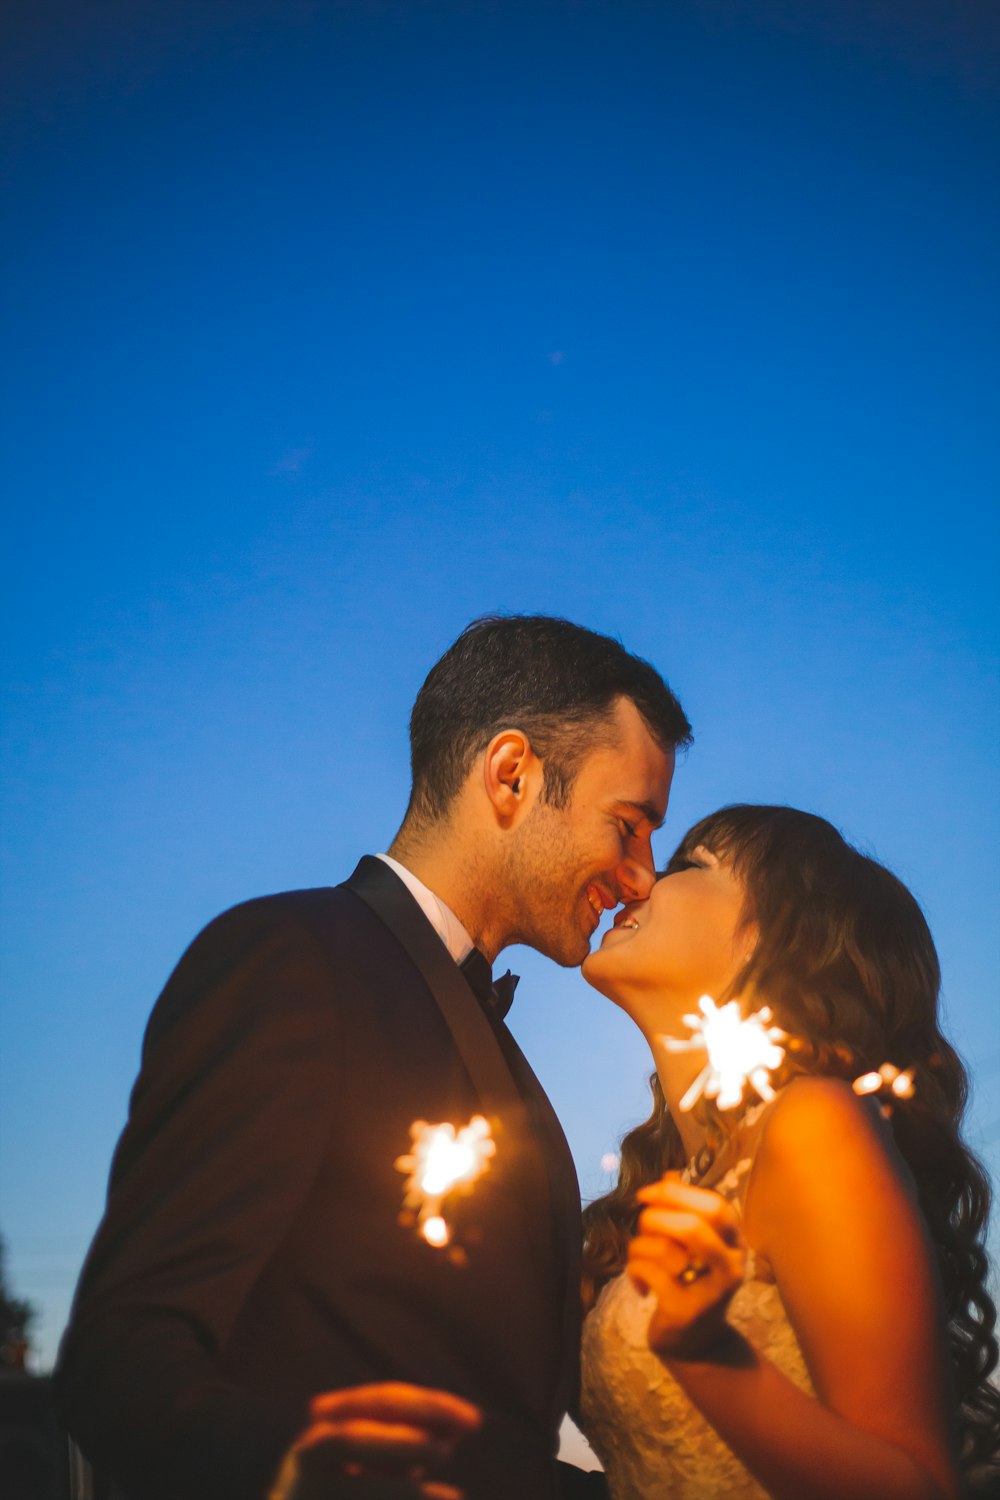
[555, 681]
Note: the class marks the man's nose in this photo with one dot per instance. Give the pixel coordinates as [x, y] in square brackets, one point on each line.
[636, 878]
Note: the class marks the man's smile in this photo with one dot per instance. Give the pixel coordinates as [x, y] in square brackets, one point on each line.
[600, 902]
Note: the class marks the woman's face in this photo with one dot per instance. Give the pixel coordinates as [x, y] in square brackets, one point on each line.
[689, 939]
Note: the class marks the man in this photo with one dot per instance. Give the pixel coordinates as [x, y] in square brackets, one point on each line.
[251, 1257]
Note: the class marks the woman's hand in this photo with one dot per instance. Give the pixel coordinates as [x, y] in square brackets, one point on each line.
[689, 1252]
[381, 1440]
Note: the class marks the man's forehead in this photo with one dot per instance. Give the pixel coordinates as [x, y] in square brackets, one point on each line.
[631, 770]
[639, 790]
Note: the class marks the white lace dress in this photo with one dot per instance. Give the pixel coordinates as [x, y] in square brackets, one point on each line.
[652, 1440]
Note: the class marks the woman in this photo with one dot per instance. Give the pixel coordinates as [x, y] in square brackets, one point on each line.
[801, 1311]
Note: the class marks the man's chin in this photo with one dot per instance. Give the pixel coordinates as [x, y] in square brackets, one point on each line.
[569, 952]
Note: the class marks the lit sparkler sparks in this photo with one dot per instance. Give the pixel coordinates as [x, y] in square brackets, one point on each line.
[740, 1050]
[442, 1160]
[893, 1082]
[899, 1081]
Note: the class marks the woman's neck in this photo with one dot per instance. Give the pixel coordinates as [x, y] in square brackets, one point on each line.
[677, 1071]
[659, 1015]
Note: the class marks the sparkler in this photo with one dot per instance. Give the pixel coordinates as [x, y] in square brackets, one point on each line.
[897, 1082]
[442, 1160]
[740, 1050]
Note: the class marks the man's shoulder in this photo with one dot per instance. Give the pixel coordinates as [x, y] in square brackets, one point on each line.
[319, 909]
[306, 913]
[284, 906]
[289, 942]
[309, 902]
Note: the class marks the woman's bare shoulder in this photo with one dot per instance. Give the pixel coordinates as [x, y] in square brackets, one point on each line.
[821, 1139]
[813, 1109]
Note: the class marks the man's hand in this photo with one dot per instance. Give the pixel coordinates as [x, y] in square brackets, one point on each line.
[379, 1441]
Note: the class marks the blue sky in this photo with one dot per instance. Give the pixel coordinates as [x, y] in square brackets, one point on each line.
[331, 326]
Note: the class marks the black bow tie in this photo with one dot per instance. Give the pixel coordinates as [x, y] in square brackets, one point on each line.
[494, 995]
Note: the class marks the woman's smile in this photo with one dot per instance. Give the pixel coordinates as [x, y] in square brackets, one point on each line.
[688, 938]
[625, 918]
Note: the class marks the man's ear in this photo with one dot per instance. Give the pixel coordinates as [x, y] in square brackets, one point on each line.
[512, 775]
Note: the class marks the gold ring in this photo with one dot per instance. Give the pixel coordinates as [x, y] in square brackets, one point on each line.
[693, 1271]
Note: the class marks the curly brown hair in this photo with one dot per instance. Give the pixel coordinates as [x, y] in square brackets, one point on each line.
[847, 963]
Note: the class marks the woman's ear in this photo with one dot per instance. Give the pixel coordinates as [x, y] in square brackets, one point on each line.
[748, 941]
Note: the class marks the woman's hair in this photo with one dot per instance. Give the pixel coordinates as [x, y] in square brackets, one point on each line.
[847, 963]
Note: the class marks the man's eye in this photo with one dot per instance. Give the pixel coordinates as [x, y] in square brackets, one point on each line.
[627, 828]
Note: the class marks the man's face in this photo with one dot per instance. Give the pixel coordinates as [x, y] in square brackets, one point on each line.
[571, 864]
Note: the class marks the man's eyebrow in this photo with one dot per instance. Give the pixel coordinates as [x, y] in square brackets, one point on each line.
[651, 813]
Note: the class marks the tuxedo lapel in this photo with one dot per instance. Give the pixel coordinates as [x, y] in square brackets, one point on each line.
[475, 1041]
[566, 1204]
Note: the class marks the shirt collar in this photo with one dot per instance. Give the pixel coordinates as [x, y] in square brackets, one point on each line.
[441, 917]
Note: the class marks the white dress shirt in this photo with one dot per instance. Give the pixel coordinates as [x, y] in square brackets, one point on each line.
[441, 917]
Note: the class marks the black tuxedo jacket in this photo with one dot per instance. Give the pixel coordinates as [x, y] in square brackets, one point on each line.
[251, 1257]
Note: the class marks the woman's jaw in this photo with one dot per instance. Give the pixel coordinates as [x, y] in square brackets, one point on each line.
[603, 975]
[690, 938]
[639, 988]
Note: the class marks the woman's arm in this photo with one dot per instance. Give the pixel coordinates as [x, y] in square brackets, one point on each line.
[832, 1210]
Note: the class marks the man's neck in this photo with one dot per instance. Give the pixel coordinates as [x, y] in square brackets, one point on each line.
[440, 915]
[445, 867]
